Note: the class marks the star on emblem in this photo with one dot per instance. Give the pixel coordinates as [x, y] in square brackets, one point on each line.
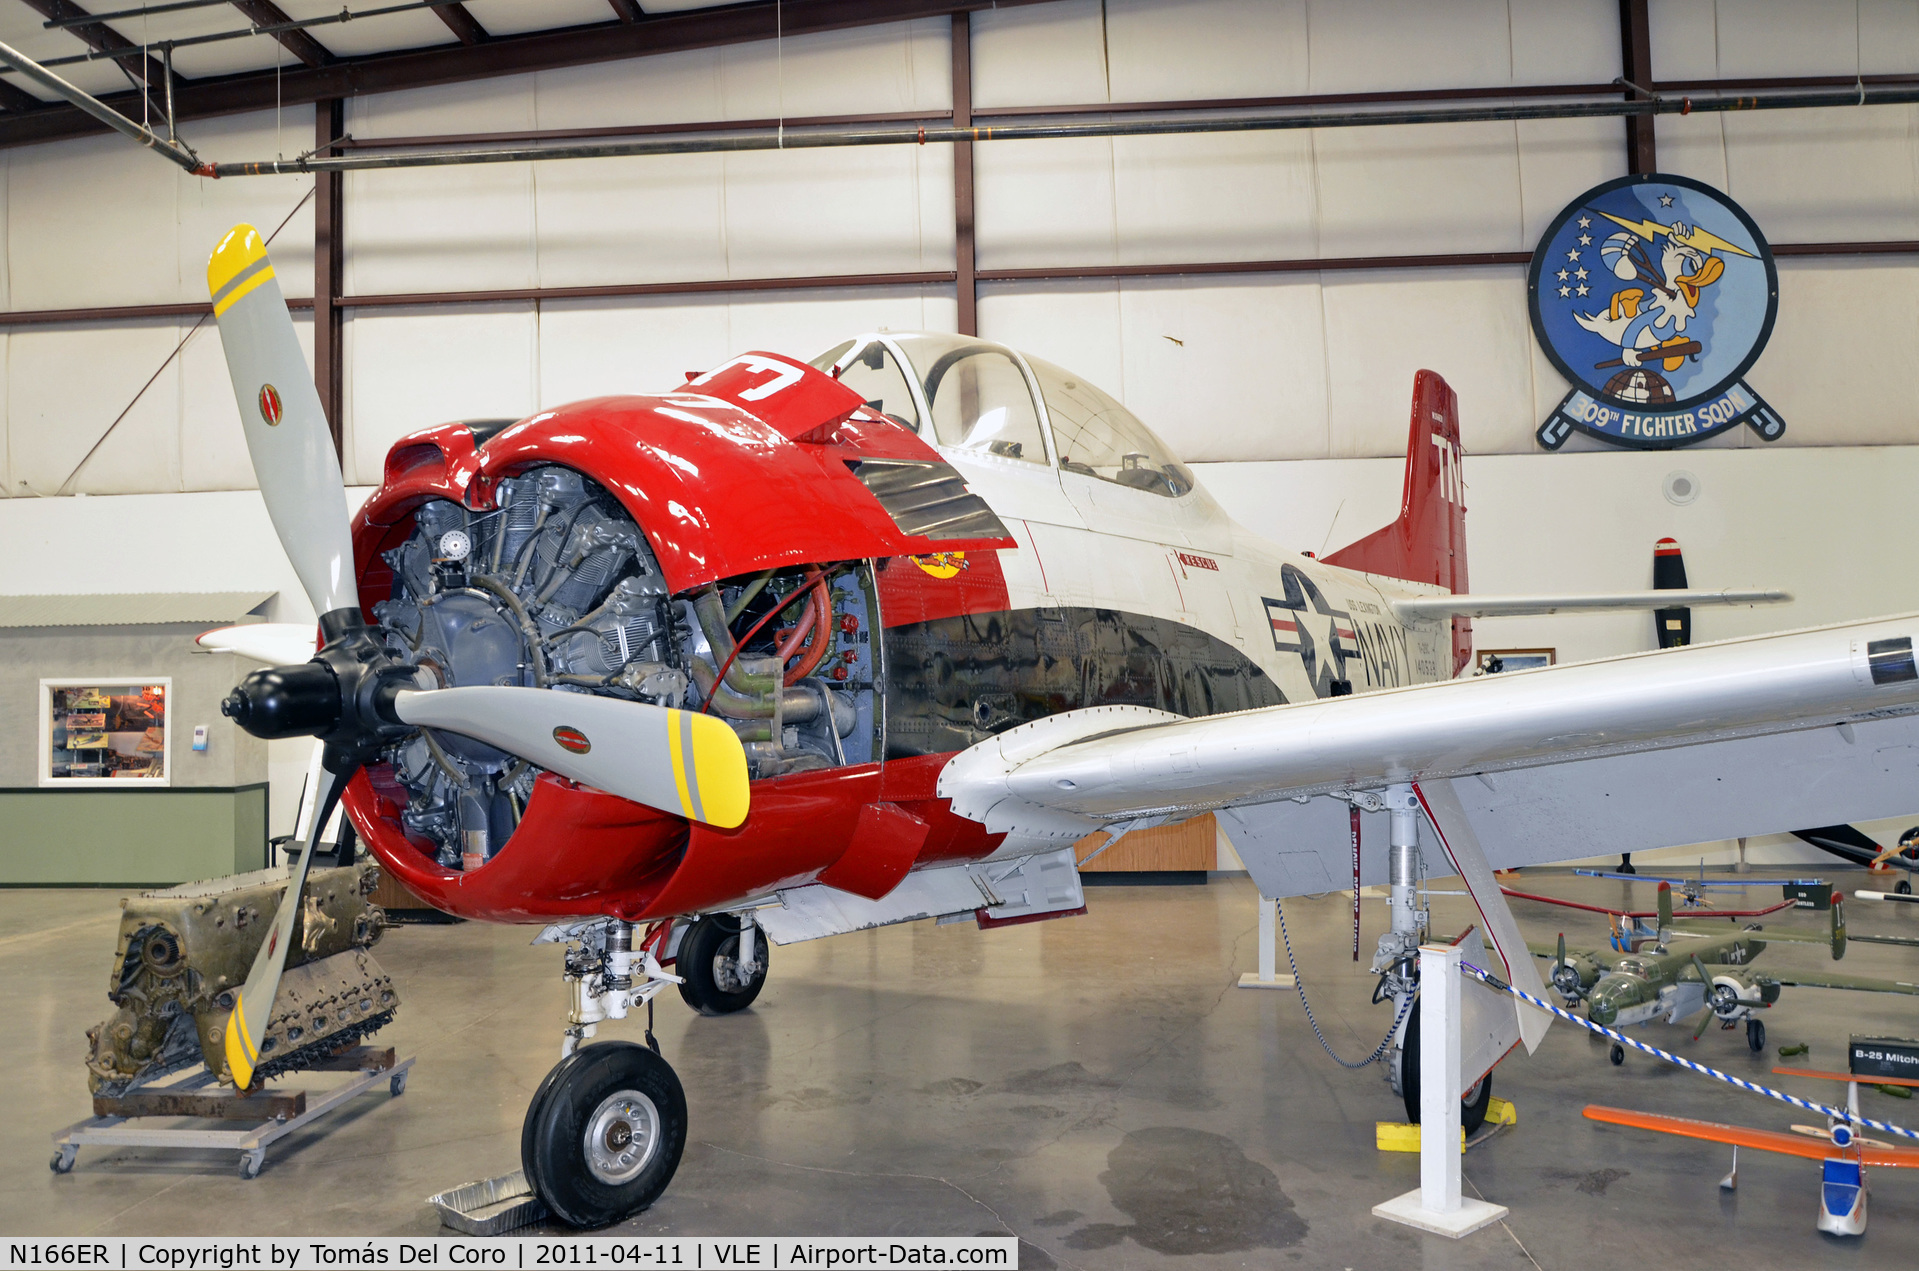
[1580, 273]
[1583, 289]
[1665, 200]
[1563, 275]
[1585, 222]
[1585, 240]
[1566, 291]
[1572, 254]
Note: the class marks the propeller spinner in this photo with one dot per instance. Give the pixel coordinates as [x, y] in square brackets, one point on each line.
[353, 696]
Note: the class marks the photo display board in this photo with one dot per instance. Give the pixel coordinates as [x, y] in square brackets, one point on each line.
[104, 731]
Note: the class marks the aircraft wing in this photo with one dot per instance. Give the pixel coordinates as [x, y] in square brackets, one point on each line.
[1412, 609]
[1740, 1136]
[1550, 953]
[1833, 980]
[1629, 754]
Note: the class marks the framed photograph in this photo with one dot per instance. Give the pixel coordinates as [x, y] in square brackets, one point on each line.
[1493, 661]
[105, 731]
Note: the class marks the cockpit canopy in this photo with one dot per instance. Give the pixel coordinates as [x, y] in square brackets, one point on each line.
[981, 396]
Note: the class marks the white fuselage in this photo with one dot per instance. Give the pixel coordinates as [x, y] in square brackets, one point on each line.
[1088, 542]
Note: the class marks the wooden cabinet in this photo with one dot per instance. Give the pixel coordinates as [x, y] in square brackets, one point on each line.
[1183, 848]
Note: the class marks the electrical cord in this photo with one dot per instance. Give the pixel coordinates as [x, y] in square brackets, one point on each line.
[1300, 985]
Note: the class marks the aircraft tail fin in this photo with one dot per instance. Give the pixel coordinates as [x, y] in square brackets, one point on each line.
[1427, 544]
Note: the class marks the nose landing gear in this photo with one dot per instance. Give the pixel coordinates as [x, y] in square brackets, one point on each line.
[604, 1132]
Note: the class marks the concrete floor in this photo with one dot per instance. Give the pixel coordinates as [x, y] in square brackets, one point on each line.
[1097, 1085]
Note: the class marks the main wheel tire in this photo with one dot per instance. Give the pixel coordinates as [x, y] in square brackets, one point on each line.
[1755, 1036]
[1617, 1054]
[709, 962]
[1903, 888]
[1472, 1104]
[604, 1133]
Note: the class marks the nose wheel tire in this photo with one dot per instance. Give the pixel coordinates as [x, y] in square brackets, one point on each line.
[709, 959]
[1617, 1054]
[604, 1133]
[1472, 1104]
[1755, 1036]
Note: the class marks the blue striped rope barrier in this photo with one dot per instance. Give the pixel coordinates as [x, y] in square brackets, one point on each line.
[1494, 982]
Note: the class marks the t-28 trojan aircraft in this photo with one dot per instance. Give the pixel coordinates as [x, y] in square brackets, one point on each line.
[796, 649]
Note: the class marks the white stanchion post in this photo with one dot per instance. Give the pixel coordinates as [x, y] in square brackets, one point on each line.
[1437, 1205]
[1269, 976]
[1439, 1078]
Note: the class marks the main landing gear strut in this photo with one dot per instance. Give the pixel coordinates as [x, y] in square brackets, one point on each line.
[1396, 961]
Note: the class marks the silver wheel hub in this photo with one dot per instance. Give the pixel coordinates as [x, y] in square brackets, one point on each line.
[621, 1136]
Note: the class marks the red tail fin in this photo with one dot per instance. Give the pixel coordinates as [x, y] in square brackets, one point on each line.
[1427, 544]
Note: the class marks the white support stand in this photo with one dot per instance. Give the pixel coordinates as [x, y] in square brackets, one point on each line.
[1268, 977]
[1436, 1205]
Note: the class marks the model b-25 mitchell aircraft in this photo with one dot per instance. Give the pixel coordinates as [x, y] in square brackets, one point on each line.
[805, 648]
[1691, 968]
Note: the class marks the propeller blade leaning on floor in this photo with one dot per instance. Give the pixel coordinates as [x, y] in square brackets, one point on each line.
[253, 1001]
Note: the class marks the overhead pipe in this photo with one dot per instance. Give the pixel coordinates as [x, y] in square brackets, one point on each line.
[106, 114]
[235, 33]
[1144, 125]
[1058, 128]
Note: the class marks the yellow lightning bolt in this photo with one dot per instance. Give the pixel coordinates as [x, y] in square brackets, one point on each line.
[1705, 240]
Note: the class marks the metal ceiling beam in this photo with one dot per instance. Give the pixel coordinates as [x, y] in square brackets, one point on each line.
[629, 10]
[298, 43]
[104, 39]
[1635, 60]
[1069, 273]
[611, 41]
[462, 23]
[966, 282]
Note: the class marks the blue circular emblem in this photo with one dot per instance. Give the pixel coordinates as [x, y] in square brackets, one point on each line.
[1653, 295]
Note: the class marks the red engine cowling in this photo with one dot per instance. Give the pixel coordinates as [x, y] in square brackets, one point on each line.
[763, 469]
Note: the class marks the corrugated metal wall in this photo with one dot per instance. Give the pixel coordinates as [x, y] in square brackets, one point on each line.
[1258, 367]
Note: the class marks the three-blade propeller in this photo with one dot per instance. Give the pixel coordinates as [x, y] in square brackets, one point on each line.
[352, 695]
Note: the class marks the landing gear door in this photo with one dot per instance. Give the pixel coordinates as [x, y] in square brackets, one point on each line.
[1488, 1025]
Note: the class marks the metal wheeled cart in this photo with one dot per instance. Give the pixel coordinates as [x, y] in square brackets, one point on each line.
[126, 1120]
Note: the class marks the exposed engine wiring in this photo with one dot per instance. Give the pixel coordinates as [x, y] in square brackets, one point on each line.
[741, 643]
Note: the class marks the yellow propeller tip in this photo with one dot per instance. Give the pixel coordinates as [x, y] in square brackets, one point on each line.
[238, 248]
[237, 1045]
[712, 780]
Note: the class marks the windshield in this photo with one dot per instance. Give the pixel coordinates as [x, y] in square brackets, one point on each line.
[1098, 437]
[876, 376]
[977, 396]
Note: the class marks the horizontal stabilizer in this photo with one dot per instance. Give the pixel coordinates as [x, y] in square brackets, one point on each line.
[1426, 608]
